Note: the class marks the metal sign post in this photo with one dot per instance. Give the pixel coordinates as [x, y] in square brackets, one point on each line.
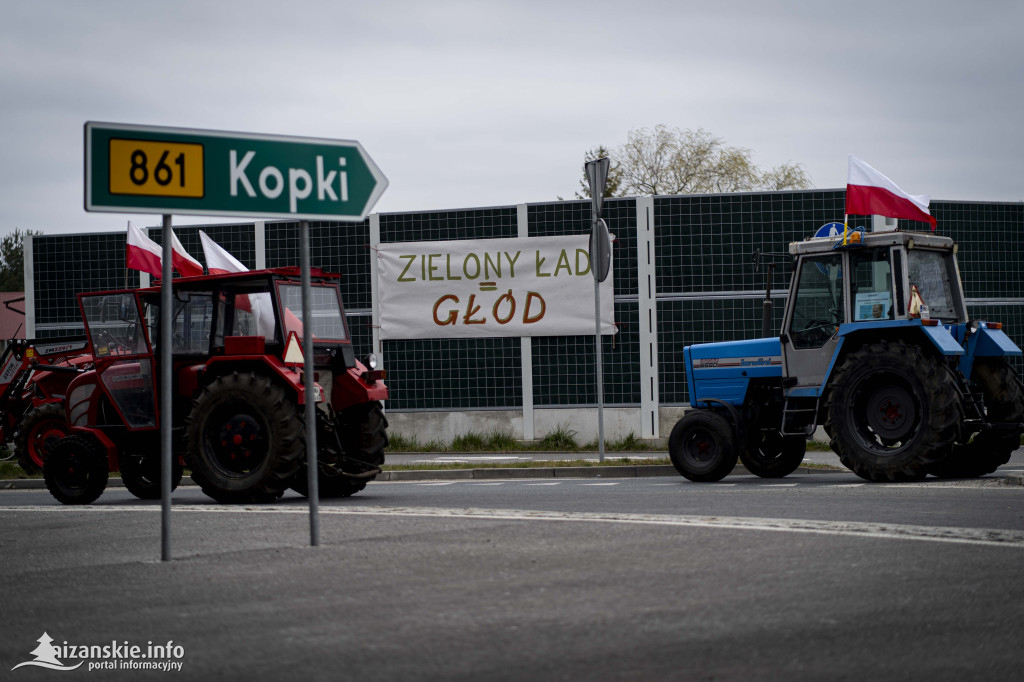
[600, 266]
[166, 390]
[312, 467]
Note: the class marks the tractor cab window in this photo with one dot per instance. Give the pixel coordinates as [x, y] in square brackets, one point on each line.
[325, 307]
[932, 273]
[818, 307]
[114, 325]
[245, 312]
[192, 319]
[871, 285]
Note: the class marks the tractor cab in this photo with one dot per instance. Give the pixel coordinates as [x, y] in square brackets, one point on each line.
[842, 293]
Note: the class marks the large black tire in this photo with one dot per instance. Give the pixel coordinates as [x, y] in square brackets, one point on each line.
[702, 446]
[892, 411]
[769, 454]
[245, 439]
[1004, 402]
[363, 432]
[141, 474]
[75, 470]
[38, 431]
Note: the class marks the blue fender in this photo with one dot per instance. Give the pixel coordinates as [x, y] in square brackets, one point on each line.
[986, 342]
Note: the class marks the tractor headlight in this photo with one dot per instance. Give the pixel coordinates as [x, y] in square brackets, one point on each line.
[370, 361]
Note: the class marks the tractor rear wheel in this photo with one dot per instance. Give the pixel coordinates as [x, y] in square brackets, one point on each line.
[141, 474]
[1004, 402]
[363, 432]
[702, 446]
[769, 454]
[75, 470]
[245, 439]
[892, 411]
[39, 430]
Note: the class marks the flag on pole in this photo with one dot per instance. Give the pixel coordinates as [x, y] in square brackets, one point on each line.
[185, 264]
[868, 192]
[143, 253]
[218, 260]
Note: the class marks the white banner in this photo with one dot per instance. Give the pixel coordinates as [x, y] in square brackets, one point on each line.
[539, 286]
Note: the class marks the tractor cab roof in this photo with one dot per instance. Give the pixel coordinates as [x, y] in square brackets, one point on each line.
[814, 245]
[288, 273]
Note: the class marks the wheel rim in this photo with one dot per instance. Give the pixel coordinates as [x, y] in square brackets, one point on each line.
[74, 474]
[42, 439]
[237, 442]
[886, 415]
[700, 449]
[769, 448]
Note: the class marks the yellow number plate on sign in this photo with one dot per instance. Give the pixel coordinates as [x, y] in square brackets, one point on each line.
[162, 169]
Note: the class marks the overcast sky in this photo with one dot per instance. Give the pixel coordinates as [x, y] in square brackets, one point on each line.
[466, 104]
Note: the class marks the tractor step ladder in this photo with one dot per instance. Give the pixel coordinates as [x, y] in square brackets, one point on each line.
[788, 412]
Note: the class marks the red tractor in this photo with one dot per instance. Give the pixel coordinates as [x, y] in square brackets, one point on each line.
[238, 387]
[34, 376]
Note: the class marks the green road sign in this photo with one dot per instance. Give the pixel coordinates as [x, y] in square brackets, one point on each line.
[148, 169]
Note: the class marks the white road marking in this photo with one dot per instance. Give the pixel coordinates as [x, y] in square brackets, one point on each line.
[989, 537]
[555, 483]
[593, 484]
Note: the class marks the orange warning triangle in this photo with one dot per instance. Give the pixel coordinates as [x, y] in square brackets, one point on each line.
[293, 351]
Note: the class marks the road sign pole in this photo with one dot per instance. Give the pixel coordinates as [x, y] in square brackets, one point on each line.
[312, 468]
[600, 266]
[600, 371]
[166, 390]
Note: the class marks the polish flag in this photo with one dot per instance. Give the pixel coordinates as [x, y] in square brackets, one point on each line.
[218, 260]
[868, 192]
[143, 253]
[182, 261]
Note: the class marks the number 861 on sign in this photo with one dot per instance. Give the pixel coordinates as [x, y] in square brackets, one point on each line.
[148, 168]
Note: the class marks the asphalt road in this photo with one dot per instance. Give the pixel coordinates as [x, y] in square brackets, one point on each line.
[819, 576]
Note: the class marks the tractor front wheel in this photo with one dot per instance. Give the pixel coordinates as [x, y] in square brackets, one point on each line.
[769, 454]
[702, 446]
[40, 429]
[75, 470]
[892, 411]
[362, 430]
[141, 474]
[245, 439]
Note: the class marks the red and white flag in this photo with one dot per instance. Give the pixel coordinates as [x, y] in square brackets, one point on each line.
[868, 192]
[143, 253]
[182, 261]
[146, 255]
[218, 260]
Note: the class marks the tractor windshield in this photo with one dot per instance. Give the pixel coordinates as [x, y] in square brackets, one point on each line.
[112, 321]
[325, 306]
[933, 274]
[193, 312]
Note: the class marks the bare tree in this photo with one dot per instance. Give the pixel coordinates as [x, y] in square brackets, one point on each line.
[674, 161]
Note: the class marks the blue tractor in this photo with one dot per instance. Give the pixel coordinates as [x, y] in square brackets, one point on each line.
[876, 347]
